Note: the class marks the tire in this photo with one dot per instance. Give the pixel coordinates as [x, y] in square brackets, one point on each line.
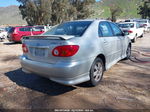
[134, 40]
[128, 52]
[141, 36]
[96, 72]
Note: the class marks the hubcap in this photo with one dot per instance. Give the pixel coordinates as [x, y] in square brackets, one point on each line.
[98, 70]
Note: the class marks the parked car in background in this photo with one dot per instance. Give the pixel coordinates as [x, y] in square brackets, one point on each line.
[133, 28]
[76, 51]
[131, 20]
[145, 23]
[15, 34]
[3, 33]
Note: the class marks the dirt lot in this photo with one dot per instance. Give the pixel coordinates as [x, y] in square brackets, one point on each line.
[125, 86]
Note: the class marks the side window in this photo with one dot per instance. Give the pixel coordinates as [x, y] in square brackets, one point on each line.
[22, 29]
[137, 25]
[104, 30]
[116, 30]
[27, 29]
[37, 28]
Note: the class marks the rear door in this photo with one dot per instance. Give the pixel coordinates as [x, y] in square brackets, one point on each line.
[25, 31]
[139, 30]
[108, 43]
[118, 34]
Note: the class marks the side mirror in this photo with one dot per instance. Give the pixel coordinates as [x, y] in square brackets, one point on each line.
[126, 33]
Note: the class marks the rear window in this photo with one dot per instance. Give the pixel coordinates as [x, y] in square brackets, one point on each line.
[38, 28]
[11, 30]
[142, 22]
[76, 28]
[129, 25]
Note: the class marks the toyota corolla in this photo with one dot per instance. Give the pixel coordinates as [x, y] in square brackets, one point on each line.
[75, 51]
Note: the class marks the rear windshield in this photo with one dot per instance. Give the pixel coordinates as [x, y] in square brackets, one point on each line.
[11, 30]
[142, 22]
[129, 25]
[76, 28]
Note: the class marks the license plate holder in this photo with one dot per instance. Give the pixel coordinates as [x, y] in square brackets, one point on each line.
[40, 52]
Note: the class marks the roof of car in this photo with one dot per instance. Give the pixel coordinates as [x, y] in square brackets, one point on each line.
[89, 20]
[127, 22]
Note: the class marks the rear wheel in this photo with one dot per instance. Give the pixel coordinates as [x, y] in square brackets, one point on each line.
[141, 36]
[96, 72]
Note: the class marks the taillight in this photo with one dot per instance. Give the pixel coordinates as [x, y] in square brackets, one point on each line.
[24, 48]
[15, 31]
[65, 50]
[129, 31]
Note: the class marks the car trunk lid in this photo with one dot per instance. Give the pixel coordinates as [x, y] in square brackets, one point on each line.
[40, 47]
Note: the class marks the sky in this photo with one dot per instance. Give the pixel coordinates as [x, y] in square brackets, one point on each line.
[5, 3]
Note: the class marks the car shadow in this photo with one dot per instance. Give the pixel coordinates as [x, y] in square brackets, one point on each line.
[37, 83]
[11, 43]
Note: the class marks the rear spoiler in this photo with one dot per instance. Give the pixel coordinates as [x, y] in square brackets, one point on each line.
[62, 37]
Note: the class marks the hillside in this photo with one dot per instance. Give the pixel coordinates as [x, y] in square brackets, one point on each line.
[101, 9]
[10, 15]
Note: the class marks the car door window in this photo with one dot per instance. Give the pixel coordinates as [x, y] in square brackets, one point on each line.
[116, 30]
[104, 30]
[137, 25]
[27, 29]
[22, 29]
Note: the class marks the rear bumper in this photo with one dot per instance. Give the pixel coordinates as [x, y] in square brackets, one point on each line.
[131, 37]
[65, 73]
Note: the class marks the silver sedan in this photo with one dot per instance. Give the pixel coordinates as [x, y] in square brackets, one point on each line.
[75, 51]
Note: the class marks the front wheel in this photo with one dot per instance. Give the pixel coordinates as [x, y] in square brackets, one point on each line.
[128, 52]
[96, 72]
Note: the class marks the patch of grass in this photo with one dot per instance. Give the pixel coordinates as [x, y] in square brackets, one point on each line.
[101, 9]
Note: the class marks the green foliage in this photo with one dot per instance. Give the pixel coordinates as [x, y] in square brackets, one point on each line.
[144, 9]
[53, 11]
[129, 8]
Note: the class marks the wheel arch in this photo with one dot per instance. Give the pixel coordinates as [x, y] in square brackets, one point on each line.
[101, 56]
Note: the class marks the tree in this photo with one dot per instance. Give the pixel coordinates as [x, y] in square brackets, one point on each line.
[53, 11]
[144, 9]
[36, 12]
[115, 11]
[81, 7]
[62, 11]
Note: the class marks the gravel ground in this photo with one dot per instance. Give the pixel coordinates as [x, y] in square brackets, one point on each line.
[125, 86]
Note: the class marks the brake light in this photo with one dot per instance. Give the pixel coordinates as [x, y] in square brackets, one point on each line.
[129, 31]
[24, 48]
[15, 31]
[65, 50]
[144, 24]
